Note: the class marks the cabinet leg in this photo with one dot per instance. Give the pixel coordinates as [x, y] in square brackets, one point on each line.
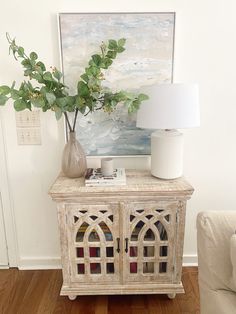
[72, 297]
[171, 295]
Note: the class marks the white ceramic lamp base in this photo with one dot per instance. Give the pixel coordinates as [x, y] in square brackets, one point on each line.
[167, 154]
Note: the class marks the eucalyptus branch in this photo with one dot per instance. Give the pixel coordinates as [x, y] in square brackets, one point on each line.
[76, 114]
[50, 94]
[87, 113]
[99, 108]
[68, 122]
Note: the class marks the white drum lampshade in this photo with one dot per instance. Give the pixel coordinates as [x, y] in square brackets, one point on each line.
[169, 107]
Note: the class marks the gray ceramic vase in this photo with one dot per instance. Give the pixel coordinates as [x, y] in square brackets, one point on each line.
[74, 162]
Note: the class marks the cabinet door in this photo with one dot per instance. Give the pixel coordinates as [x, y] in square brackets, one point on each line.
[149, 230]
[93, 237]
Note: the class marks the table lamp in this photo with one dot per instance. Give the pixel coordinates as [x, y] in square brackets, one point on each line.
[169, 107]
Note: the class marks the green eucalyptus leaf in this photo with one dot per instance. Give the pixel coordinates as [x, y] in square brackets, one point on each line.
[121, 42]
[14, 94]
[38, 102]
[27, 72]
[92, 82]
[111, 54]
[4, 90]
[20, 105]
[91, 62]
[61, 102]
[45, 108]
[33, 56]
[21, 51]
[38, 77]
[120, 49]
[80, 104]
[106, 63]
[57, 74]
[3, 100]
[97, 59]
[70, 100]
[83, 89]
[30, 86]
[47, 76]
[28, 105]
[58, 113]
[134, 106]
[85, 77]
[142, 97]
[94, 71]
[51, 98]
[41, 65]
[112, 44]
[128, 103]
[44, 90]
[26, 63]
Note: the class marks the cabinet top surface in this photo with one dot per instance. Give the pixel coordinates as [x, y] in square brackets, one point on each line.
[136, 181]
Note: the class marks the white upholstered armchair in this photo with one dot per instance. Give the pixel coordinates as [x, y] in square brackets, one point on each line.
[217, 261]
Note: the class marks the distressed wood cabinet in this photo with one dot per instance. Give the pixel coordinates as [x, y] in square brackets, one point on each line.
[122, 239]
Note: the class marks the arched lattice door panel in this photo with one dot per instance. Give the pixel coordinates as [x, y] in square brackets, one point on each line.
[93, 243]
[150, 230]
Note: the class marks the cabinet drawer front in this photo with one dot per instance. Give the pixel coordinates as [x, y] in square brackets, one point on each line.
[93, 236]
[150, 230]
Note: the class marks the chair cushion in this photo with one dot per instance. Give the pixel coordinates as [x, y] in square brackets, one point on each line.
[215, 229]
[233, 258]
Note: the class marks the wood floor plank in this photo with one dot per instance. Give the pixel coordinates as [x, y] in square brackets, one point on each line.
[8, 279]
[170, 305]
[139, 304]
[119, 304]
[83, 305]
[189, 302]
[38, 292]
[63, 306]
[154, 303]
[35, 293]
[18, 291]
[101, 306]
[51, 292]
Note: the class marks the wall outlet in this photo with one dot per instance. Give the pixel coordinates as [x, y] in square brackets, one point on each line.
[28, 119]
[28, 136]
[28, 127]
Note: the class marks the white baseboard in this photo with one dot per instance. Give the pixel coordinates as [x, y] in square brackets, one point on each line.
[190, 260]
[4, 267]
[27, 263]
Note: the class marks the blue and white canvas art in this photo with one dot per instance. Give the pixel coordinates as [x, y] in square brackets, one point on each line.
[148, 59]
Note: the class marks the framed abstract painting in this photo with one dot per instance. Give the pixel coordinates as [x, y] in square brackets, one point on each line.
[148, 59]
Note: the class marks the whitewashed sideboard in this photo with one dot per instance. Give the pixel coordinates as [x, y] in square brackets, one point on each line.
[122, 239]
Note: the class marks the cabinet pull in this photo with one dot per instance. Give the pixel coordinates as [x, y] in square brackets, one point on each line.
[118, 245]
[126, 245]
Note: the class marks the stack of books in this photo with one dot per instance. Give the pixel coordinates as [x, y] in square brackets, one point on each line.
[94, 177]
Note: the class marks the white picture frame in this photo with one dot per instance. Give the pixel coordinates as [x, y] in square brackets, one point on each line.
[148, 59]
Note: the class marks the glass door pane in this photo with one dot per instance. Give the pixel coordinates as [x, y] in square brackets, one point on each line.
[93, 243]
[150, 228]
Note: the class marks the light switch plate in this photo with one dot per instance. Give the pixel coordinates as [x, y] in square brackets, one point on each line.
[28, 119]
[28, 136]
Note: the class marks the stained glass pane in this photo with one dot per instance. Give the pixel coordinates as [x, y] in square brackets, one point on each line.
[136, 231]
[149, 236]
[93, 237]
[106, 231]
[81, 232]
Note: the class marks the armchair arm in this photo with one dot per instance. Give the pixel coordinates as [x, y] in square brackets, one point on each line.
[214, 231]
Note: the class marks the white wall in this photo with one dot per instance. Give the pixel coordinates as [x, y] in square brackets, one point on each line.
[205, 52]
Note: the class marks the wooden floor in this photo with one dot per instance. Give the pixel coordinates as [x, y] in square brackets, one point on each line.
[31, 292]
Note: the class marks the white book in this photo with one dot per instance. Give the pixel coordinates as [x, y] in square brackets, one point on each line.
[94, 177]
